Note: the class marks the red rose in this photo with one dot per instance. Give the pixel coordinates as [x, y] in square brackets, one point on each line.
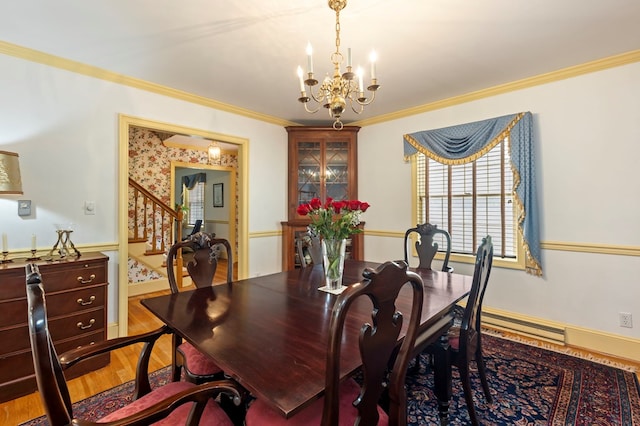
[315, 203]
[303, 209]
[354, 205]
[328, 203]
[338, 206]
[364, 206]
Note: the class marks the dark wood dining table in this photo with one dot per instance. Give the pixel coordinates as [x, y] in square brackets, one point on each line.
[270, 333]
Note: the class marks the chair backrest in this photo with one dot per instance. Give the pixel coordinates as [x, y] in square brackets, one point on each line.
[426, 247]
[378, 343]
[196, 228]
[309, 249]
[49, 374]
[203, 263]
[470, 327]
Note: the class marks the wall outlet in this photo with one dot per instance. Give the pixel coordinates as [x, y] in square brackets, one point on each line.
[625, 320]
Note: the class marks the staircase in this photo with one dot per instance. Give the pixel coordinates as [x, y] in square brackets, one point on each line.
[153, 226]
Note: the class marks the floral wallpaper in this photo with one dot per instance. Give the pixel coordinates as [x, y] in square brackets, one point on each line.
[150, 166]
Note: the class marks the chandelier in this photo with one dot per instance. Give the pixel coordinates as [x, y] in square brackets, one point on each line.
[214, 152]
[335, 92]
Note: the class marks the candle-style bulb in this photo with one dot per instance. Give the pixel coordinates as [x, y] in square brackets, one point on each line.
[301, 79]
[373, 57]
[309, 58]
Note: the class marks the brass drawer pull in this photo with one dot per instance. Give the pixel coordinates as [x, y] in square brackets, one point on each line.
[83, 281]
[90, 343]
[81, 326]
[81, 302]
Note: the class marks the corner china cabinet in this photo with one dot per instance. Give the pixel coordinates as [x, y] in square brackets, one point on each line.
[322, 163]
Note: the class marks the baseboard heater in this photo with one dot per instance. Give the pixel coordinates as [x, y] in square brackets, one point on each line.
[523, 327]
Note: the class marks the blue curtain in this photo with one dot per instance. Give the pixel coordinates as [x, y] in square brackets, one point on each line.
[467, 142]
[191, 180]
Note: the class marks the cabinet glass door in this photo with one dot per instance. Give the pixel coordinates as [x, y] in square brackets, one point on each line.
[309, 171]
[336, 170]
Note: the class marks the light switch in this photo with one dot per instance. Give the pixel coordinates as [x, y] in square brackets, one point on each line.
[24, 207]
[89, 207]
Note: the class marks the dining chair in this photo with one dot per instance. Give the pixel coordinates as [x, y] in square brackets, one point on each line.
[201, 266]
[465, 341]
[174, 403]
[426, 247]
[351, 401]
[309, 248]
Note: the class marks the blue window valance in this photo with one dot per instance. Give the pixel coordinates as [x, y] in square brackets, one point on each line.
[467, 142]
[190, 181]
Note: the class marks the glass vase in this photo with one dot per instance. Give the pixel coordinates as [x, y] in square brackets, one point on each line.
[333, 252]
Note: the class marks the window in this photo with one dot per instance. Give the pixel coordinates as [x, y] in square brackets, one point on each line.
[470, 201]
[196, 203]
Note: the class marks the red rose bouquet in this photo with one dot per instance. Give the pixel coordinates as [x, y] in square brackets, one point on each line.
[334, 219]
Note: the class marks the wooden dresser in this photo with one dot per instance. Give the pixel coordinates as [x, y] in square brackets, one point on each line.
[76, 294]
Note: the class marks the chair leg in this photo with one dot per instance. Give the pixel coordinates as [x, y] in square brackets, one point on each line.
[483, 376]
[463, 369]
[176, 364]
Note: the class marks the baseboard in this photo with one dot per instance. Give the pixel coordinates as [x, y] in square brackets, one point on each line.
[113, 331]
[619, 346]
[594, 341]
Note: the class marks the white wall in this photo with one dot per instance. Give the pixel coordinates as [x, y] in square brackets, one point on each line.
[65, 128]
[588, 134]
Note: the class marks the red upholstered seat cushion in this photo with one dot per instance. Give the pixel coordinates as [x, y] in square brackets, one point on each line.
[213, 415]
[454, 338]
[196, 362]
[260, 414]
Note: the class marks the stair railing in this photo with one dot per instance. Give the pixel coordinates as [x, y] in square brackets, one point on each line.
[154, 222]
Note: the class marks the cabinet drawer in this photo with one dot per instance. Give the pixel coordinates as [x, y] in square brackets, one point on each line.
[84, 322]
[14, 339]
[15, 366]
[14, 312]
[72, 278]
[21, 364]
[75, 301]
[56, 276]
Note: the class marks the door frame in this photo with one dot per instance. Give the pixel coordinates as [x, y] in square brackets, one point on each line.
[230, 171]
[125, 122]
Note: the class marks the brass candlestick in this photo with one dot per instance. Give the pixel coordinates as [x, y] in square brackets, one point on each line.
[4, 257]
[33, 255]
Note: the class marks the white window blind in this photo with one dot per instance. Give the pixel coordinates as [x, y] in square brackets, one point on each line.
[196, 203]
[470, 201]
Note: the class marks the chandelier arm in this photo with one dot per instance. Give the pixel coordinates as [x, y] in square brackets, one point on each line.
[312, 111]
[318, 97]
[366, 101]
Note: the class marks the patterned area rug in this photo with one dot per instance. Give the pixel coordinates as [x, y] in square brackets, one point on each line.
[530, 386]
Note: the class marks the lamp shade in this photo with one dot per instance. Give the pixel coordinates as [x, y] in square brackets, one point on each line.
[10, 182]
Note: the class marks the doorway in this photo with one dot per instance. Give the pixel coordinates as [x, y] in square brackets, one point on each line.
[127, 124]
[219, 216]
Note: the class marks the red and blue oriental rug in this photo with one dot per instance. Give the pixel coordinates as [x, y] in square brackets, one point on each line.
[530, 385]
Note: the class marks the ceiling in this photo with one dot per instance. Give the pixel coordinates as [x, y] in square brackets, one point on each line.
[245, 53]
